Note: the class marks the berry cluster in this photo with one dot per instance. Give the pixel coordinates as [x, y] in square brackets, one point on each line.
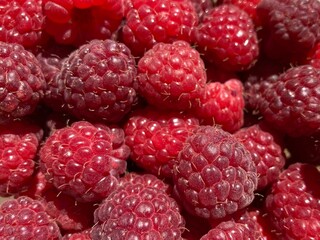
[159, 119]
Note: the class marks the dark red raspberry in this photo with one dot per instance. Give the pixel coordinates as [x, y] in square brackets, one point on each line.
[85, 160]
[77, 22]
[153, 21]
[215, 176]
[291, 103]
[97, 81]
[138, 211]
[25, 218]
[19, 142]
[266, 149]
[293, 204]
[21, 81]
[156, 138]
[21, 22]
[229, 230]
[172, 76]
[291, 28]
[222, 104]
[83, 235]
[238, 49]
[249, 6]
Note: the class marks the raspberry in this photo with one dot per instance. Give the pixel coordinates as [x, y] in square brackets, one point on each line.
[222, 104]
[229, 230]
[21, 82]
[171, 76]
[21, 22]
[19, 142]
[238, 49]
[291, 103]
[77, 22]
[266, 150]
[137, 211]
[215, 175]
[293, 204]
[25, 218]
[153, 21]
[84, 160]
[83, 235]
[156, 137]
[288, 25]
[249, 6]
[97, 81]
[202, 7]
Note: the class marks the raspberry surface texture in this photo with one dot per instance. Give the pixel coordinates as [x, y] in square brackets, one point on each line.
[238, 49]
[156, 138]
[97, 81]
[291, 103]
[215, 175]
[138, 211]
[85, 160]
[153, 21]
[19, 143]
[22, 82]
[28, 220]
[172, 76]
[293, 204]
[21, 22]
[288, 25]
[222, 104]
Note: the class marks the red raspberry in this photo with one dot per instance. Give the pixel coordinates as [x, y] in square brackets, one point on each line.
[21, 22]
[265, 147]
[77, 22]
[294, 203]
[97, 81]
[83, 235]
[21, 81]
[153, 21]
[249, 6]
[229, 230]
[215, 175]
[84, 161]
[222, 104]
[19, 142]
[138, 211]
[291, 103]
[291, 28]
[202, 7]
[156, 137]
[25, 218]
[238, 49]
[172, 76]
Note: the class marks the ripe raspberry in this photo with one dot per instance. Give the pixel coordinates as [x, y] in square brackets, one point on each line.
[291, 103]
[215, 176]
[288, 25]
[84, 161]
[238, 49]
[83, 235]
[229, 230]
[266, 150]
[202, 7]
[25, 218]
[137, 211]
[171, 76]
[156, 138]
[153, 21]
[21, 81]
[77, 22]
[97, 81]
[294, 203]
[222, 104]
[19, 142]
[249, 6]
[21, 22]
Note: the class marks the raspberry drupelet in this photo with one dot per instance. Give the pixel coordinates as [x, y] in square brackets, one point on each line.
[215, 175]
[85, 160]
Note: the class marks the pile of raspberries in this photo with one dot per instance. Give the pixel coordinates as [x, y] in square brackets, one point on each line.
[160, 119]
